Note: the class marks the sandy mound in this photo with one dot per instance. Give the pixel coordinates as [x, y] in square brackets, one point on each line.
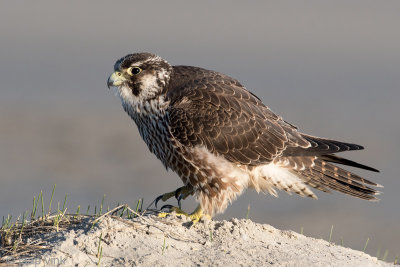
[171, 241]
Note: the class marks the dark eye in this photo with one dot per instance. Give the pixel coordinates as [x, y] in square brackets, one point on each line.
[134, 70]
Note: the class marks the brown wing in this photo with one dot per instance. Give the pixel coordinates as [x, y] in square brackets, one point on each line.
[213, 110]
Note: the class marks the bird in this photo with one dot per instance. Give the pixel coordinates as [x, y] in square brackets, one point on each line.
[220, 138]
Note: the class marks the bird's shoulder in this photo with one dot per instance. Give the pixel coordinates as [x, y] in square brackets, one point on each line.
[187, 74]
[207, 87]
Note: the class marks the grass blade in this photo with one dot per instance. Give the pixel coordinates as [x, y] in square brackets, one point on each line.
[385, 255]
[102, 203]
[33, 213]
[330, 235]
[366, 244]
[137, 206]
[51, 199]
[65, 202]
[42, 199]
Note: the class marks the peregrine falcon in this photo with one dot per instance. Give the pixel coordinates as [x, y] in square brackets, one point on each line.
[221, 139]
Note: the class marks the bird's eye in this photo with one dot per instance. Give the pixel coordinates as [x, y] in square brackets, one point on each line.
[134, 70]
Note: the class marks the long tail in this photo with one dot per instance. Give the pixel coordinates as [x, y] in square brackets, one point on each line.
[324, 176]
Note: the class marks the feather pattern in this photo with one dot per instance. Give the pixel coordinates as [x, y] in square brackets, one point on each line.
[216, 111]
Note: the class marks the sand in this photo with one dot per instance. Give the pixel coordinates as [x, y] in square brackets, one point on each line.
[173, 241]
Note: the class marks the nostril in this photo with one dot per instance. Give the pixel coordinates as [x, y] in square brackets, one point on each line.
[119, 73]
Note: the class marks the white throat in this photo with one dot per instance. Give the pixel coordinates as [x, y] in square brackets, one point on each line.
[139, 106]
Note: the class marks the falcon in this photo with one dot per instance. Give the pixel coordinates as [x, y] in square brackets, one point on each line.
[221, 139]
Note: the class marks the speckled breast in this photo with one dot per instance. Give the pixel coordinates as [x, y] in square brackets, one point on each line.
[154, 131]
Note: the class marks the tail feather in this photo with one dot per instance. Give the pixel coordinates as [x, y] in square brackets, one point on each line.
[338, 186]
[342, 175]
[319, 146]
[296, 174]
[339, 160]
[326, 175]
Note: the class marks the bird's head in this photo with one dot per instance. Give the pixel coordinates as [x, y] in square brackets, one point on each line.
[138, 78]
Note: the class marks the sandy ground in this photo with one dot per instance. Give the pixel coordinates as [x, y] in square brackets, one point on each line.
[173, 241]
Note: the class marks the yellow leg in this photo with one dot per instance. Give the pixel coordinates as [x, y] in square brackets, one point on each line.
[195, 216]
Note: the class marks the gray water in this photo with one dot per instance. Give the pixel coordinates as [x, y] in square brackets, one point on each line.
[331, 68]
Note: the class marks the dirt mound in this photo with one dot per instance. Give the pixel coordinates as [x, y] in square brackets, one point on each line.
[173, 241]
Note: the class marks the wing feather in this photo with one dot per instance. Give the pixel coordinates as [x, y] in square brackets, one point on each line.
[216, 111]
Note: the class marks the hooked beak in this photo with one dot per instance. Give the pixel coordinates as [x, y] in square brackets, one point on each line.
[115, 79]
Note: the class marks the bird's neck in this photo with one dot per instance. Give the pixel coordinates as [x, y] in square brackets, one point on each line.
[154, 107]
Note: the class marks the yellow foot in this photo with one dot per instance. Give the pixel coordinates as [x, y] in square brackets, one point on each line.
[195, 216]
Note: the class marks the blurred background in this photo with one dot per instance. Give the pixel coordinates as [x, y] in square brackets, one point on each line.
[330, 67]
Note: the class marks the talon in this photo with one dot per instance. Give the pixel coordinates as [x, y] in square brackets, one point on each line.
[158, 199]
[179, 198]
[183, 193]
[170, 207]
[178, 192]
